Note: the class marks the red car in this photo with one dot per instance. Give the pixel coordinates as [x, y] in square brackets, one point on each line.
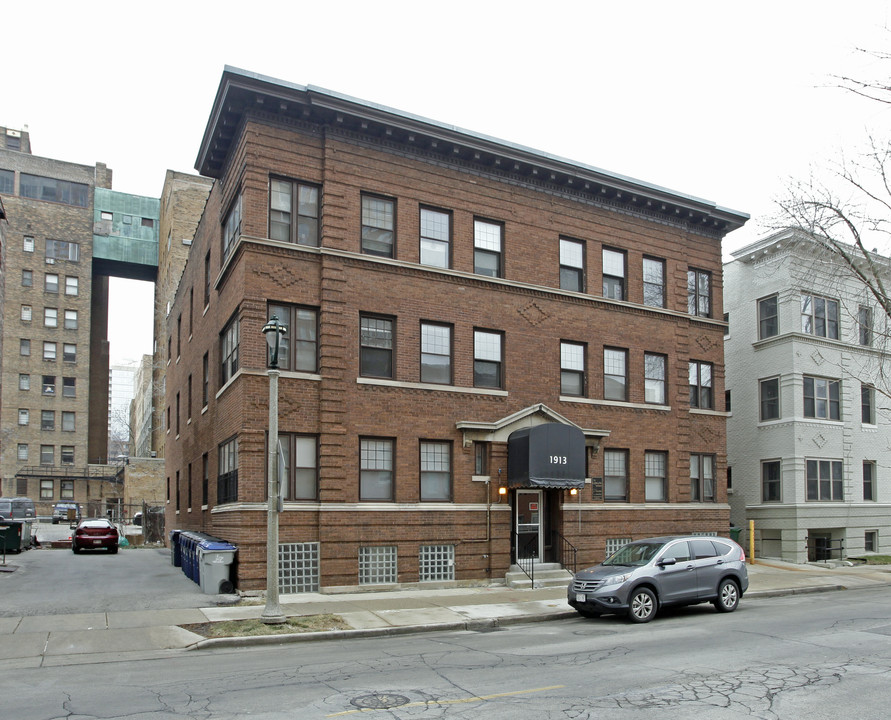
[94, 533]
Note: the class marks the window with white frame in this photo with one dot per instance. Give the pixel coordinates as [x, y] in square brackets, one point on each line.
[655, 476]
[69, 352]
[376, 468]
[71, 319]
[378, 226]
[51, 283]
[436, 471]
[819, 316]
[377, 565]
[436, 563]
[435, 238]
[436, 353]
[229, 342]
[769, 391]
[71, 285]
[869, 480]
[654, 378]
[613, 274]
[298, 458]
[50, 317]
[615, 475]
[47, 487]
[487, 359]
[572, 265]
[572, 369]
[49, 350]
[487, 252]
[653, 282]
[871, 541]
[615, 374]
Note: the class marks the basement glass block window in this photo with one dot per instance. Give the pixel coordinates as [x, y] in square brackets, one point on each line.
[377, 565]
[436, 562]
[615, 544]
[298, 567]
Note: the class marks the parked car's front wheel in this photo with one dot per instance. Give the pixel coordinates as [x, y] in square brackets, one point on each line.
[642, 606]
[728, 596]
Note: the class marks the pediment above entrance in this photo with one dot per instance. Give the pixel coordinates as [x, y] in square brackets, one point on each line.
[499, 430]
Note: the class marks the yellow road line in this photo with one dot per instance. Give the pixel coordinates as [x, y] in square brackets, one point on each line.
[476, 698]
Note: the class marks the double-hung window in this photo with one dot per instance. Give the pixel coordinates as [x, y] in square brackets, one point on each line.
[68, 419]
[701, 391]
[69, 387]
[49, 350]
[821, 398]
[227, 471]
[436, 353]
[867, 405]
[653, 282]
[50, 317]
[436, 236]
[376, 346]
[47, 420]
[615, 374]
[69, 352]
[71, 284]
[615, 475]
[229, 342]
[819, 316]
[572, 369]
[294, 212]
[613, 274]
[378, 226]
[436, 471]
[770, 481]
[298, 346]
[699, 292]
[864, 325]
[869, 480]
[654, 378]
[702, 478]
[298, 466]
[48, 385]
[71, 319]
[768, 319]
[232, 226]
[376, 468]
[824, 480]
[488, 370]
[769, 391]
[655, 473]
[572, 265]
[487, 252]
[51, 283]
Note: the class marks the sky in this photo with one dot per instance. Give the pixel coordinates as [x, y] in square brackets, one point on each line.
[723, 101]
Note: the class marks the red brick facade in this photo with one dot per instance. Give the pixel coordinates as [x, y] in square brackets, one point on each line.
[353, 150]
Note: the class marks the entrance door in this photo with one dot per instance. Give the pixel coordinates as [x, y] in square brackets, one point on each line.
[530, 514]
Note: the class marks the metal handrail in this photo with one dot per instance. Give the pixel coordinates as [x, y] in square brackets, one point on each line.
[526, 557]
[566, 550]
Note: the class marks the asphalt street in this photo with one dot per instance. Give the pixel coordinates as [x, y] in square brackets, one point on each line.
[818, 656]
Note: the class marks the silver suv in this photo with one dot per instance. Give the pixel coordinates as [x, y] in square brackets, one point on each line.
[645, 575]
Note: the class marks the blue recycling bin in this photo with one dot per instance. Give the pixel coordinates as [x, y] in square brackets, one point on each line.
[176, 551]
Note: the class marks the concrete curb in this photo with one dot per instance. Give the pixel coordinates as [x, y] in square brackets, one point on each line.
[482, 624]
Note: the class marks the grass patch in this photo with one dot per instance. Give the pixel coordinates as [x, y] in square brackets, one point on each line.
[873, 559]
[256, 627]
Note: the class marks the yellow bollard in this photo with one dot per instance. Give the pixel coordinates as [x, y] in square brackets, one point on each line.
[751, 542]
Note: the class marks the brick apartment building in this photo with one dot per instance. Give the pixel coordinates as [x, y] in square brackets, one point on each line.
[489, 353]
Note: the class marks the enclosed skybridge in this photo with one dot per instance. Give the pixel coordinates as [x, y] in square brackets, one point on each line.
[125, 235]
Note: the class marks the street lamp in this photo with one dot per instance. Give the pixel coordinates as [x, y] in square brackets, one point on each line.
[272, 613]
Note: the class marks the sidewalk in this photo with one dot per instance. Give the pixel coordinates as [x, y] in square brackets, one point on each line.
[53, 640]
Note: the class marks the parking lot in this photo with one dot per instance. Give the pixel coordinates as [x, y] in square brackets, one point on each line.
[49, 582]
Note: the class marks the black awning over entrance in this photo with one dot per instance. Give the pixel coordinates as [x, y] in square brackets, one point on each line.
[547, 456]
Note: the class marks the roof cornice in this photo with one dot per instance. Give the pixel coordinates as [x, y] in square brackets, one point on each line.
[242, 93]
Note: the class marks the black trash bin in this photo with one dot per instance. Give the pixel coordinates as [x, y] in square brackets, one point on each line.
[11, 536]
[176, 551]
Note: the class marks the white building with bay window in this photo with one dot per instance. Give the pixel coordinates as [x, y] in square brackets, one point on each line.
[808, 450]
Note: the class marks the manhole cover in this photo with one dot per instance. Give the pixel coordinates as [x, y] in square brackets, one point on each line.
[379, 701]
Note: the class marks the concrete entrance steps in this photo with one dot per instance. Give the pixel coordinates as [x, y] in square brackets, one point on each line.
[546, 575]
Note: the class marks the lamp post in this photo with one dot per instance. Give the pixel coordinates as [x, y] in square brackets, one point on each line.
[272, 613]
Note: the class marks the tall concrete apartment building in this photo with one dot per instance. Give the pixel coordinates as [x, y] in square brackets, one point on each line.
[487, 356]
[68, 232]
[808, 434]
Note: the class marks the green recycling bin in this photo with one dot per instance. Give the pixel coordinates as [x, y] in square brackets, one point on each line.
[734, 533]
[11, 535]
